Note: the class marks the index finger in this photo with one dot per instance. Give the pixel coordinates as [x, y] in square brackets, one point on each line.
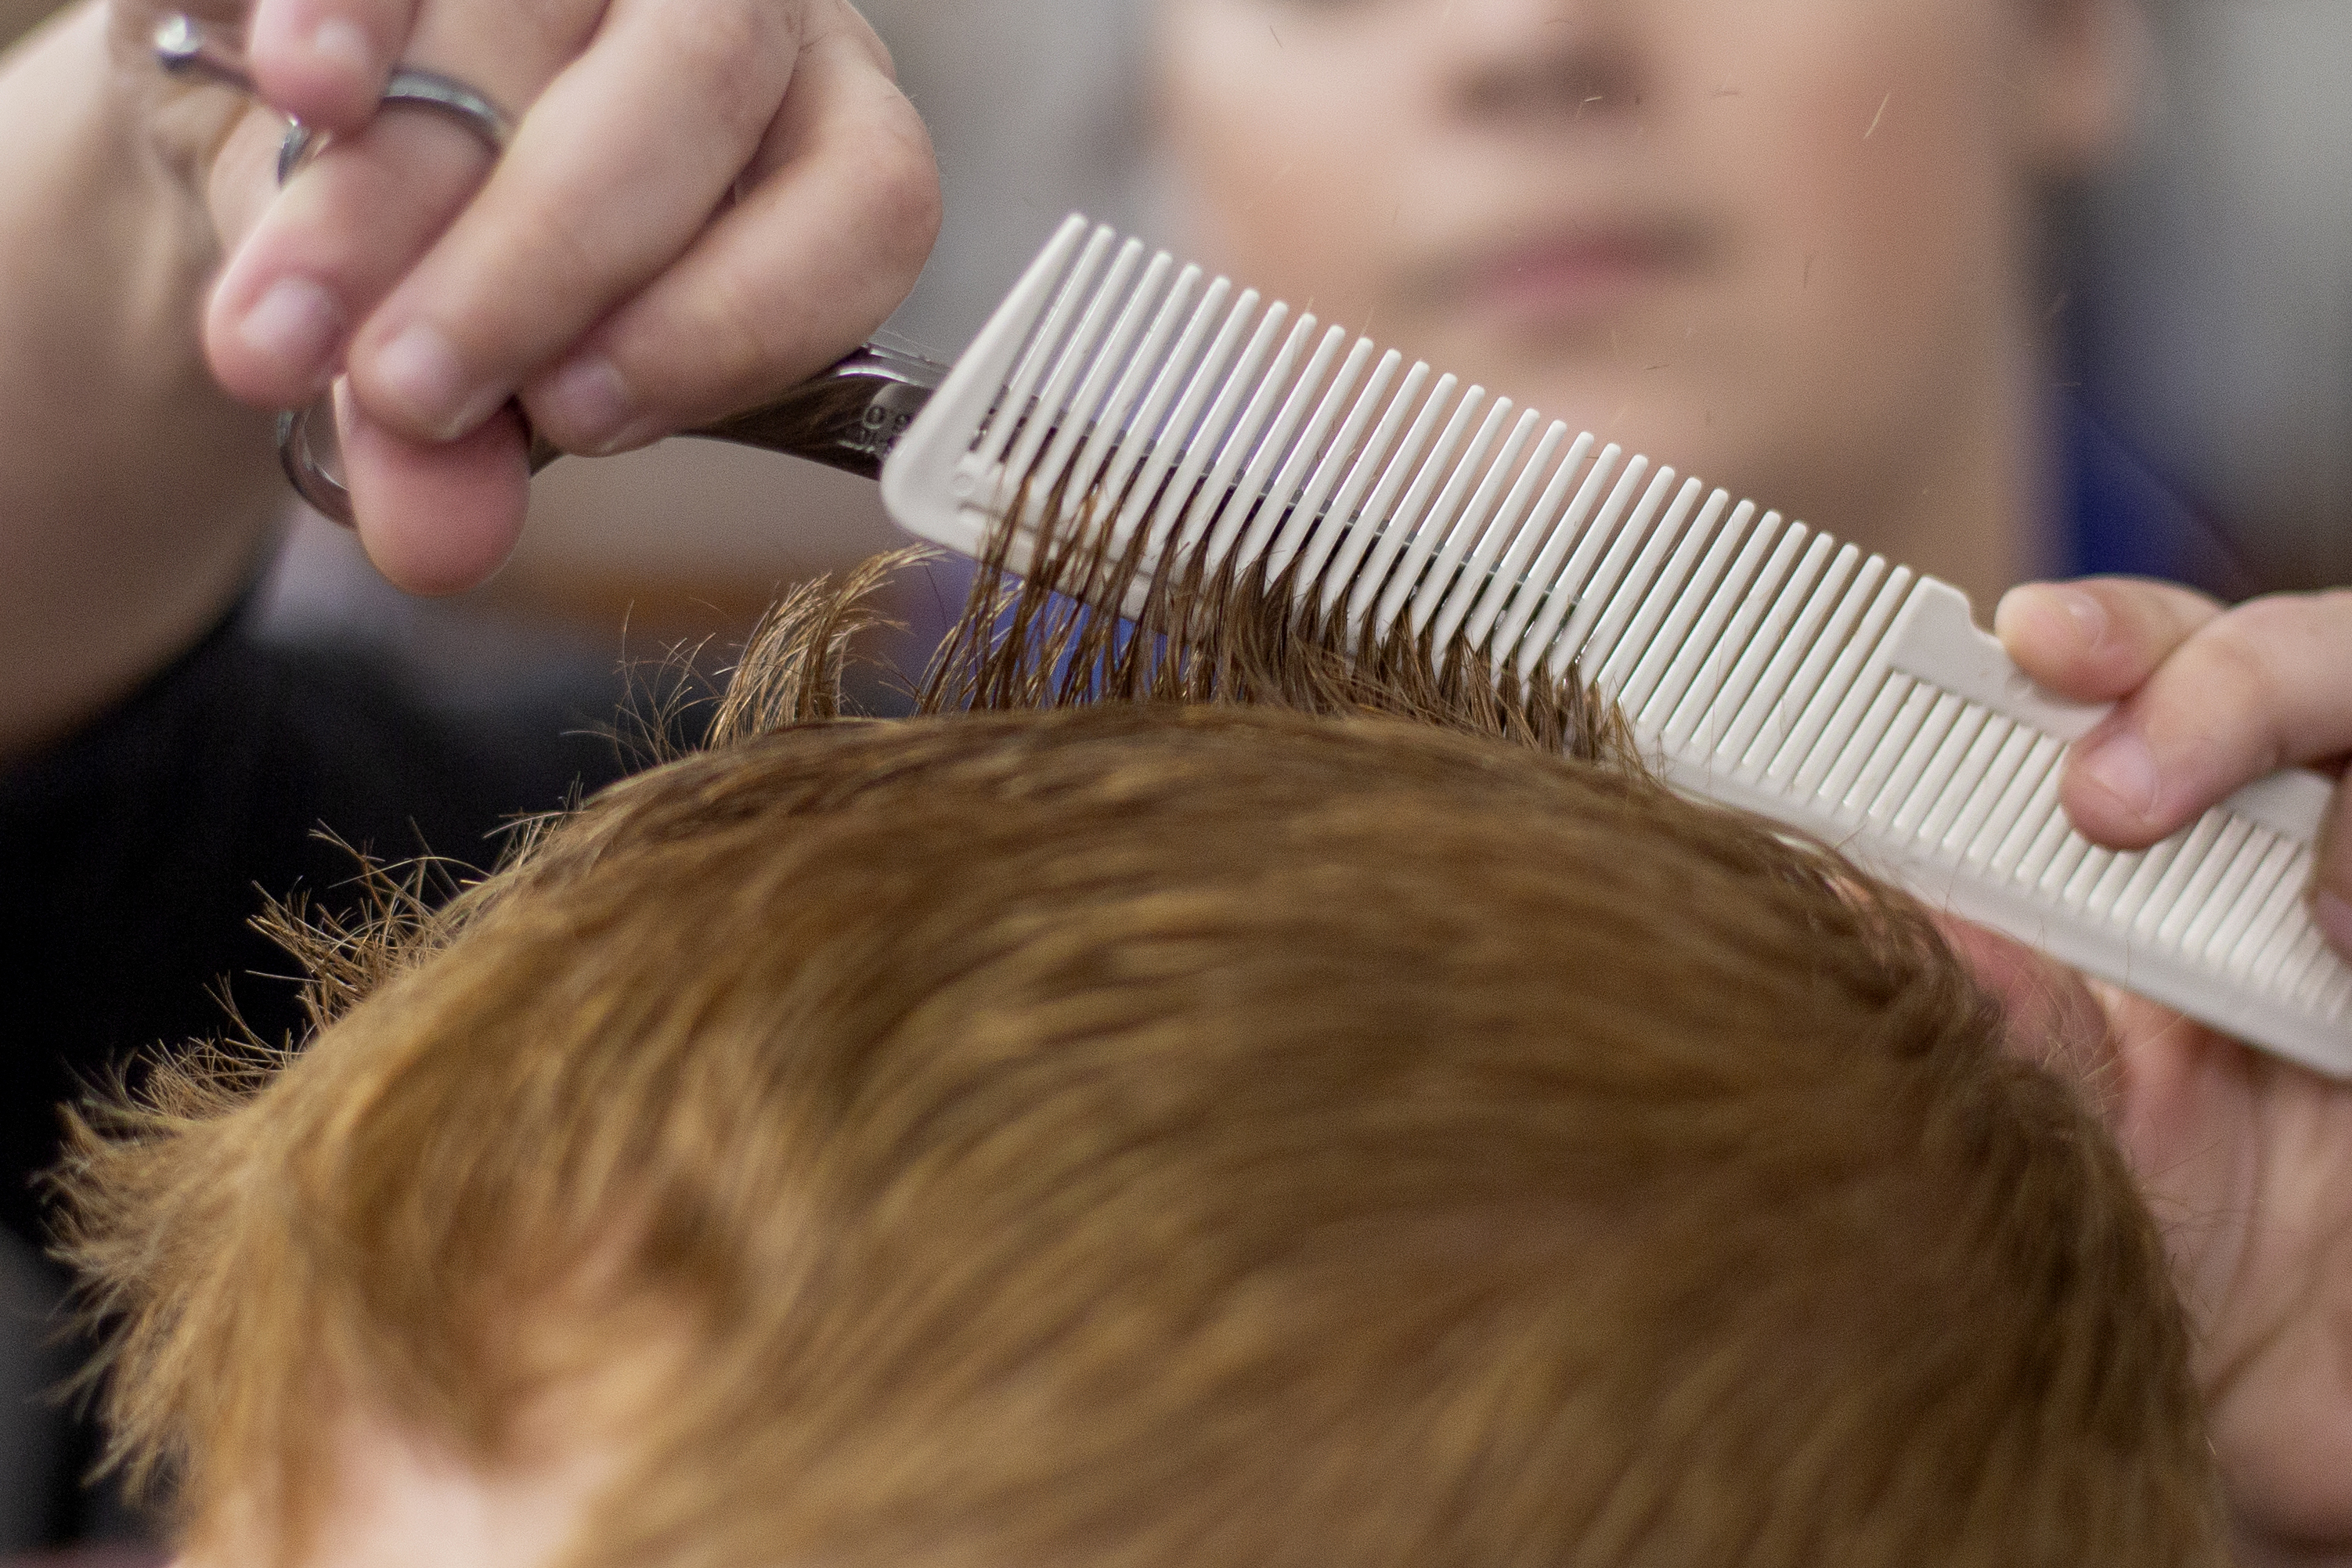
[2264, 687]
[2099, 638]
[618, 165]
[830, 227]
[325, 61]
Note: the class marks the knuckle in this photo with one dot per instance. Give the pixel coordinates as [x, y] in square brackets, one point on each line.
[2243, 673]
[743, 346]
[2272, 615]
[905, 188]
[2333, 608]
[850, 21]
[753, 334]
[568, 243]
[2238, 652]
[555, 26]
[2267, 633]
[556, 242]
[887, 163]
[2158, 617]
[738, 53]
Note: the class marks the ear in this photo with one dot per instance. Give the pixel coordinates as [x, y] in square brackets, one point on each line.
[2247, 1162]
[2084, 64]
[2052, 1018]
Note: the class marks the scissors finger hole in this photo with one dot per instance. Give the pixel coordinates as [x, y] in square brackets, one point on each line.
[311, 449]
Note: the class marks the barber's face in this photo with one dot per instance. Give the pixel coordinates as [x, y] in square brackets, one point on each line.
[1769, 241]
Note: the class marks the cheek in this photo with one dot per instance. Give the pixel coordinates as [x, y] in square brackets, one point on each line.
[1285, 135]
[1876, 147]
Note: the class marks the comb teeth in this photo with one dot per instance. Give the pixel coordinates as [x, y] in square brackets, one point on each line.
[1760, 662]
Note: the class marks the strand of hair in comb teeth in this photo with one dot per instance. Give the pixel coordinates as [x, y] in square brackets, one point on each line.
[1761, 663]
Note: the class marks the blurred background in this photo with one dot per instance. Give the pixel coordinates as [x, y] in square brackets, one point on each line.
[2204, 315]
[2212, 283]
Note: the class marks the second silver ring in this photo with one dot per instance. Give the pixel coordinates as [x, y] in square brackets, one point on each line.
[315, 480]
[414, 88]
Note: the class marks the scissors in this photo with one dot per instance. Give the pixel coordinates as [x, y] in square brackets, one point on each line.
[848, 417]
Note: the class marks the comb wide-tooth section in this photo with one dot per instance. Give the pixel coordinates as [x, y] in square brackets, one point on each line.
[1759, 662]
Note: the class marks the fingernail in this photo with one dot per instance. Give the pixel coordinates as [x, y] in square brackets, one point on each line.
[2088, 615]
[588, 402]
[2123, 767]
[421, 369]
[2334, 918]
[346, 43]
[295, 323]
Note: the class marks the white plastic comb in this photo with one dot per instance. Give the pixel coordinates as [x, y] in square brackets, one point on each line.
[1760, 662]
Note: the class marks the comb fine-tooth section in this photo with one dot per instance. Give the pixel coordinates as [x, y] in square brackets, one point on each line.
[1760, 662]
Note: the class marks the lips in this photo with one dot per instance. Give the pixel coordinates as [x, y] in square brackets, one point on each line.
[1580, 276]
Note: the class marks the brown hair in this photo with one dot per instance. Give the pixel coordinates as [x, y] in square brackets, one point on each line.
[1147, 1134]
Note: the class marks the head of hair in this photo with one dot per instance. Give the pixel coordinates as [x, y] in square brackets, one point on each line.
[1313, 1125]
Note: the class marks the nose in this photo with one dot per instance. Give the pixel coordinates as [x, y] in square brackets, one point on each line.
[1541, 61]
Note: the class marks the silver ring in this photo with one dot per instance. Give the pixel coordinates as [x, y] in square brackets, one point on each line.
[429, 91]
[195, 50]
[325, 492]
[436, 94]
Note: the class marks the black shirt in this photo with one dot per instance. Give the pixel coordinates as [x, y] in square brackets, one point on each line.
[135, 854]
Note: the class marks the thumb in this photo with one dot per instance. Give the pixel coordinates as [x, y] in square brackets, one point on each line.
[436, 518]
